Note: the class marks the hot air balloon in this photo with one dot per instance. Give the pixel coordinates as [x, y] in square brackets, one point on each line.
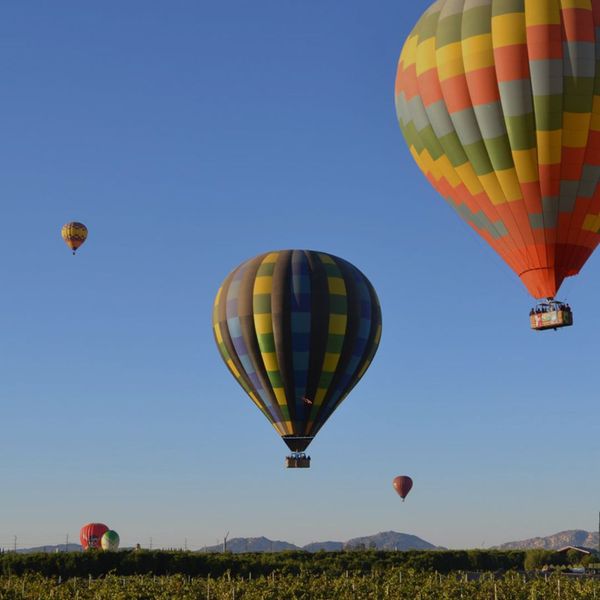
[499, 103]
[110, 541]
[402, 484]
[297, 329]
[74, 234]
[91, 534]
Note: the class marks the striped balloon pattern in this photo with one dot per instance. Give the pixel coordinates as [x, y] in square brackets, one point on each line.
[74, 234]
[297, 329]
[499, 103]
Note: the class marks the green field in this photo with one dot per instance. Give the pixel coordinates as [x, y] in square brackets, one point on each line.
[406, 585]
[368, 574]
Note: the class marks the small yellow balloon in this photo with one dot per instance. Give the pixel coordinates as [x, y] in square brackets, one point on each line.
[74, 234]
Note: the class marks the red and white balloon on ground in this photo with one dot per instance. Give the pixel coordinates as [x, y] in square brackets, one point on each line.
[91, 534]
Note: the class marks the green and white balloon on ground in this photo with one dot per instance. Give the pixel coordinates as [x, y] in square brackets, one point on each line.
[110, 541]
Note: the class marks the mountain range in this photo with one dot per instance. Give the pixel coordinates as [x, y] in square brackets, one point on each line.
[571, 537]
[391, 540]
[385, 540]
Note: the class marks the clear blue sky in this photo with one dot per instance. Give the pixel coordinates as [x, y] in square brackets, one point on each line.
[190, 136]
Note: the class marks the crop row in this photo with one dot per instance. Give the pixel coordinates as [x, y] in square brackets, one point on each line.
[392, 584]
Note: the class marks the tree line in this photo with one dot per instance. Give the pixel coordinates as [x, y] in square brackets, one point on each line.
[196, 564]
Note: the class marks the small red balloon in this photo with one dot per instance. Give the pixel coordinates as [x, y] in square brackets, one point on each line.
[402, 484]
[91, 534]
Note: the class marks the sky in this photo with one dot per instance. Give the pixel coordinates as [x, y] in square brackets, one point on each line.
[190, 136]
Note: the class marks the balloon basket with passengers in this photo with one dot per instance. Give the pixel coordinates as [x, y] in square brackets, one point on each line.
[551, 314]
[297, 329]
[298, 459]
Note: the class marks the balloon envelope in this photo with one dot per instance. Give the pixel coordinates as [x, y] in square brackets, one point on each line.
[110, 541]
[499, 103]
[402, 484]
[74, 234]
[297, 329]
[91, 534]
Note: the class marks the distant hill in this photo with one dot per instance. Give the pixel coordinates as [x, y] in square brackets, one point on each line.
[50, 548]
[253, 544]
[388, 540]
[326, 546]
[571, 537]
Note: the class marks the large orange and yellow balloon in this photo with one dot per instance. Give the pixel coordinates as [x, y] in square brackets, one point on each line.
[499, 103]
[74, 234]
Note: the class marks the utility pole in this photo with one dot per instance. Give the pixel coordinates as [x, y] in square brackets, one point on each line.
[185, 545]
[150, 543]
[225, 542]
[67, 543]
[15, 544]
